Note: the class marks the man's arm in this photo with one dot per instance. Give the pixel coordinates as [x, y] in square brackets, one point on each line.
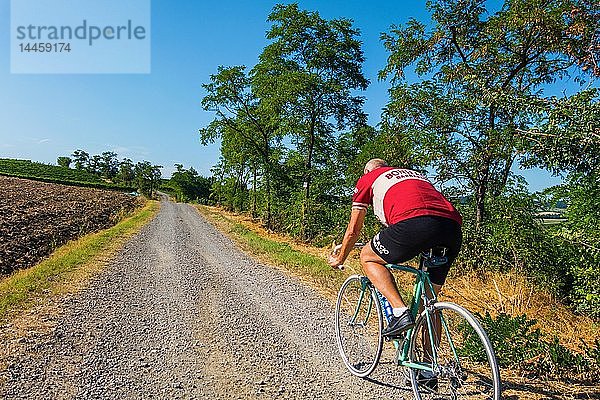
[357, 219]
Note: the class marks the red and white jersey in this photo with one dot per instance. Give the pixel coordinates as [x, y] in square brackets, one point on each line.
[398, 194]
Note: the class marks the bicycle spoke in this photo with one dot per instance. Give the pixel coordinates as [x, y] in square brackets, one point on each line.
[358, 327]
[461, 365]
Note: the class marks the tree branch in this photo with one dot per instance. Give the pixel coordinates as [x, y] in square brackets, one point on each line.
[455, 43]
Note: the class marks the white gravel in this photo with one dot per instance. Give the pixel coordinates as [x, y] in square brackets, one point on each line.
[181, 313]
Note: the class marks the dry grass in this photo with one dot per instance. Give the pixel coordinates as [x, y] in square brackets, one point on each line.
[510, 293]
[514, 294]
[495, 293]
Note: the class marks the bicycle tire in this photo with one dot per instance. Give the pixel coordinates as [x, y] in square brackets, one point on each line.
[358, 326]
[466, 366]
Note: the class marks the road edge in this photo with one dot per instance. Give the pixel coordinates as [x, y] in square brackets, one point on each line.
[70, 267]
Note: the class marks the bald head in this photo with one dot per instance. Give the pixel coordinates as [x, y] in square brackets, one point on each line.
[374, 164]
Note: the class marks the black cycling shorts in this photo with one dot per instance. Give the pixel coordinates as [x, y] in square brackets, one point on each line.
[404, 240]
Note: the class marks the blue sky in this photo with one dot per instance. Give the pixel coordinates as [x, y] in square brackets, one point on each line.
[156, 116]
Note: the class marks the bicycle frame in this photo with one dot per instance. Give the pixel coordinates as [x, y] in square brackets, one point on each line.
[420, 297]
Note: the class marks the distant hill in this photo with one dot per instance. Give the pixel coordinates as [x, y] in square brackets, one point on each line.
[54, 174]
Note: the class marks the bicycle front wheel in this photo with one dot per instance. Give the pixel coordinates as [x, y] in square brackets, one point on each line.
[358, 325]
[461, 363]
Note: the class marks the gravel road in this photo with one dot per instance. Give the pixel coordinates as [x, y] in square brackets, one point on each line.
[182, 313]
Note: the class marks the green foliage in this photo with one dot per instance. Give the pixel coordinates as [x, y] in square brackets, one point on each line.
[147, 177]
[479, 106]
[187, 185]
[308, 73]
[63, 162]
[578, 238]
[53, 174]
[513, 238]
[109, 165]
[518, 345]
[126, 173]
[89, 171]
[294, 139]
[511, 337]
[564, 134]
[81, 159]
[278, 124]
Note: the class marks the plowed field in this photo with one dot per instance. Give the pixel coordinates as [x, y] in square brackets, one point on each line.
[37, 217]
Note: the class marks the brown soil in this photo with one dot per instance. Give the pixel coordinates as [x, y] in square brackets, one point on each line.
[37, 217]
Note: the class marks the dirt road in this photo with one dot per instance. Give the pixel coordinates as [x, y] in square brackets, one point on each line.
[181, 313]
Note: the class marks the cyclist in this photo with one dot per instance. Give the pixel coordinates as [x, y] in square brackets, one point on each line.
[416, 217]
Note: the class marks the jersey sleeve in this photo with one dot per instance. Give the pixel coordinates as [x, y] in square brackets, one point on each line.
[363, 194]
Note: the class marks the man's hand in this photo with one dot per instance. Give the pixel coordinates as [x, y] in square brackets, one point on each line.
[334, 262]
[341, 251]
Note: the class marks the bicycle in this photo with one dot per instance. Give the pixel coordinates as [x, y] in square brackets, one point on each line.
[460, 363]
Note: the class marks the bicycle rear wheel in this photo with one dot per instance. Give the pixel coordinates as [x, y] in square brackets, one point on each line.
[462, 362]
[358, 325]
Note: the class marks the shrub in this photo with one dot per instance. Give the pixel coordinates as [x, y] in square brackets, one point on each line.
[511, 337]
[519, 346]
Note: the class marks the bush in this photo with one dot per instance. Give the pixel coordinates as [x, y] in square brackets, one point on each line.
[511, 337]
[558, 257]
[513, 238]
[519, 346]
[578, 239]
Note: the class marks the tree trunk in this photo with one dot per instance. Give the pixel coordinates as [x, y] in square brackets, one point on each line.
[267, 177]
[480, 193]
[253, 208]
[307, 182]
[480, 205]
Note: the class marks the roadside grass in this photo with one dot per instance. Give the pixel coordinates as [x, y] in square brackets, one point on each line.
[304, 262]
[70, 265]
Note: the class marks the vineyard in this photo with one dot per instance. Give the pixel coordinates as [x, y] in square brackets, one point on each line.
[54, 174]
[37, 217]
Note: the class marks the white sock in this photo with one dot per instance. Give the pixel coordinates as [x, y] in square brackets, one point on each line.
[399, 311]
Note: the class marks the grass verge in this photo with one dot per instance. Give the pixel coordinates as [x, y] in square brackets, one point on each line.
[69, 265]
[304, 262]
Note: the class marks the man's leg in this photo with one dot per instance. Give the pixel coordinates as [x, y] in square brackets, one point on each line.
[380, 276]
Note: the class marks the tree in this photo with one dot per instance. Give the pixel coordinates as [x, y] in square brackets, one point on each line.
[244, 121]
[81, 159]
[64, 161]
[579, 237]
[308, 73]
[188, 185]
[94, 164]
[147, 177]
[126, 173]
[482, 85]
[108, 164]
[565, 137]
